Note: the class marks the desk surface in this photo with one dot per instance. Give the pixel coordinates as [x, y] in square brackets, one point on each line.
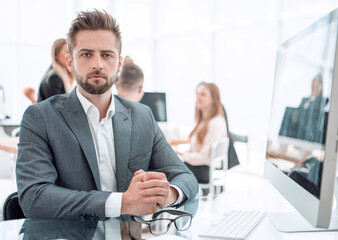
[9, 144]
[85, 230]
[252, 192]
[243, 191]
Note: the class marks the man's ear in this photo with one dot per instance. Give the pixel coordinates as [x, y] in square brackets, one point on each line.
[69, 62]
[140, 93]
[120, 64]
[140, 89]
[117, 84]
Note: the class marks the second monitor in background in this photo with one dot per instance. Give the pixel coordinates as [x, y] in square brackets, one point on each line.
[157, 103]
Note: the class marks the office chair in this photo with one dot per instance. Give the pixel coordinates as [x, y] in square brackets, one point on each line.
[15, 132]
[11, 208]
[232, 155]
[218, 166]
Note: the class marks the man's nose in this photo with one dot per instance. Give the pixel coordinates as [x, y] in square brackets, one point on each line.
[97, 63]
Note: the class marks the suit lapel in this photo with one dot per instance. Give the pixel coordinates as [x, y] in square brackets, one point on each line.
[122, 136]
[77, 120]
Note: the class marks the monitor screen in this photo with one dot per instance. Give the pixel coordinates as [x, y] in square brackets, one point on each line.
[302, 136]
[157, 103]
[306, 124]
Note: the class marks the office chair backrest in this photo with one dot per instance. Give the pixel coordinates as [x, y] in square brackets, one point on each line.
[219, 152]
[232, 154]
[11, 208]
[234, 137]
[16, 132]
[218, 166]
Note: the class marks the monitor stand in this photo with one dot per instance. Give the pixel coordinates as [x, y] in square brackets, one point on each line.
[291, 222]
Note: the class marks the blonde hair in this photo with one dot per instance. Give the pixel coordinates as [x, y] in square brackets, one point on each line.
[202, 124]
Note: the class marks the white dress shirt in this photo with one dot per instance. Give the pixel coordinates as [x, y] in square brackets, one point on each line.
[103, 137]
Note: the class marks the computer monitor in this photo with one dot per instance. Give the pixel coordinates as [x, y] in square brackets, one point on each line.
[157, 103]
[302, 141]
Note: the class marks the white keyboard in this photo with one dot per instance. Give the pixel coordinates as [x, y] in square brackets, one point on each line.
[234, 225]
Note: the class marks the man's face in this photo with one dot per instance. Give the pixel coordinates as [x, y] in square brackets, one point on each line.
[96, 60]
[316, 88]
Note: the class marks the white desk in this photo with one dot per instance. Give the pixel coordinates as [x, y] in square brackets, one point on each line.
[252, 192]
[244, 191]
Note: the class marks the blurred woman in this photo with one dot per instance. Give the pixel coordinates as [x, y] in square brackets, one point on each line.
[58, 79]
[210, 127]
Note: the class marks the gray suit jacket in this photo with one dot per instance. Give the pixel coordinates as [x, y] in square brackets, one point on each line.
[57, 172]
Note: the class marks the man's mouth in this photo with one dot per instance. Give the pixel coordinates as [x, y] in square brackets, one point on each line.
[96, 76]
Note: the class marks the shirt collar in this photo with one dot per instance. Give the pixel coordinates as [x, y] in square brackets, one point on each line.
[86, 104]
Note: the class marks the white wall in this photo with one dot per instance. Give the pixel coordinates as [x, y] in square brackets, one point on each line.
[177, 43]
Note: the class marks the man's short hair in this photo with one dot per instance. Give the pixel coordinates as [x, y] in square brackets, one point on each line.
[131, 77]
[93, 20]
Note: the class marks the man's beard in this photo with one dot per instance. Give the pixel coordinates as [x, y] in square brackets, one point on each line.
[93, 88]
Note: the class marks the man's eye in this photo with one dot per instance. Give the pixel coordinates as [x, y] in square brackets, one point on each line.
[107, 55]
[86, 54]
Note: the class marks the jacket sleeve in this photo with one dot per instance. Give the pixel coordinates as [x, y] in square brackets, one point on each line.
[36, 174]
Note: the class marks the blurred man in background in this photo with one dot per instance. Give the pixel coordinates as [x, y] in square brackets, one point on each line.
[130, 82]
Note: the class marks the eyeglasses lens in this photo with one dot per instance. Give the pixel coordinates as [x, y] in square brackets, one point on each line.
[183, 222]
[159, 227]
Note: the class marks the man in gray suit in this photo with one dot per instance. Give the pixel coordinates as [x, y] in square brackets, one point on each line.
[91, 154]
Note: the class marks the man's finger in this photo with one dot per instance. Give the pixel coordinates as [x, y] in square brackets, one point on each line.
[155, 192]
[160, 201]
[138, 177]
[154, 183]
[138, 172]
[153, 175]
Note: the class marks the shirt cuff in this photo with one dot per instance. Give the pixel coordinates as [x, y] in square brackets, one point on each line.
[113, 205]
[180, 198]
